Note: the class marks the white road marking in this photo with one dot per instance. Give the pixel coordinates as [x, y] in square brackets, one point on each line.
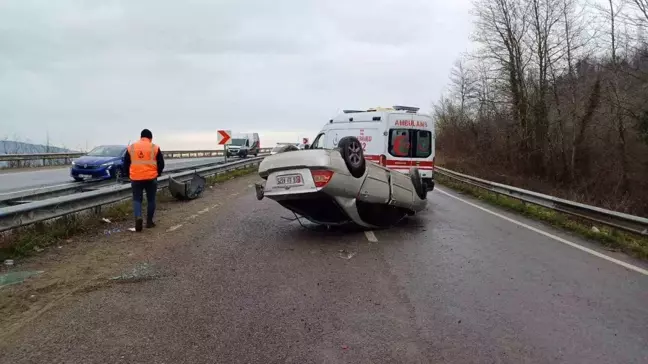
[203, 210]
[371, 236]
[557, 238]
[175, 227]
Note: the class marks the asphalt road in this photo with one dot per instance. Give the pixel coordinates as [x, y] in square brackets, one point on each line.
[454, 285]
[29, 179]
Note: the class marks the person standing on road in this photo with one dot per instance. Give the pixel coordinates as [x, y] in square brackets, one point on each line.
[144, 163]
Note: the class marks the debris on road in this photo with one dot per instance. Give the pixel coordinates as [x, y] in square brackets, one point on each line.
[9, 262]
[107, 221]
[190, 190]
[112, 231]
[38, 249]
[595, 229]
[16, 277]
[344, 254]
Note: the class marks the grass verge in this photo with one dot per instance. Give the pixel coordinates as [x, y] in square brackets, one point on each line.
[610, 238]
[32, 239]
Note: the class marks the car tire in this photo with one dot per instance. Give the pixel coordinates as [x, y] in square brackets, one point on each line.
[351, 150]
[417, 181]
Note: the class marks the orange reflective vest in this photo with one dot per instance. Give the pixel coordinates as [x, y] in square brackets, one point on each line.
[143, 156]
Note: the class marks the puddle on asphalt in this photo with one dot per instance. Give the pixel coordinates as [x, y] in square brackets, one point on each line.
[16, 277]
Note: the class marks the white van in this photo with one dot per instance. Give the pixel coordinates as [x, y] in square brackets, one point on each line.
[398, 138]
[244, 144]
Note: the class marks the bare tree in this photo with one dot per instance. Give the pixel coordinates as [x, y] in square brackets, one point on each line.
[501, 28]
[462, 80]
[544, 17]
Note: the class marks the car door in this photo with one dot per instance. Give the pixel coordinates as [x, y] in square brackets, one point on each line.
[376, 186]
[402, 190]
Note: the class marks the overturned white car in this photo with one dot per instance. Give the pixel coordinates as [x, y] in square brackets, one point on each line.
[338, 186]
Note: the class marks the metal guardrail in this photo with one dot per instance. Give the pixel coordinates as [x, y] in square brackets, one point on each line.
[618, 220]
[38, 211]
[45, 192]
[171, 154]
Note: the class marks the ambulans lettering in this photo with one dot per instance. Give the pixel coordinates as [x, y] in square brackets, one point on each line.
[411, 123]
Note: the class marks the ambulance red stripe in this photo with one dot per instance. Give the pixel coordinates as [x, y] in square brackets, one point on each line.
[406, 163]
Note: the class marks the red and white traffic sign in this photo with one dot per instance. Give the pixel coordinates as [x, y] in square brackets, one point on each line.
[304, 140]
[224, 137]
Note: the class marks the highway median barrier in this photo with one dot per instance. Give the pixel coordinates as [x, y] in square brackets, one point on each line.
[26, 232]
[60, 159]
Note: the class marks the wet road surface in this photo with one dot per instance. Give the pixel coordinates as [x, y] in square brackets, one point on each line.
[453, 285]
[29, 179]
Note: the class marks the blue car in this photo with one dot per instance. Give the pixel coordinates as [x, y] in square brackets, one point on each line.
[103, 162]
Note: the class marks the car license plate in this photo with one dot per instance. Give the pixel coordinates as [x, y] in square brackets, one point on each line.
[290, 180]
[85, 175]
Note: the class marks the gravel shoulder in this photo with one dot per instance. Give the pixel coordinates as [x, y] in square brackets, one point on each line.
[88, 262]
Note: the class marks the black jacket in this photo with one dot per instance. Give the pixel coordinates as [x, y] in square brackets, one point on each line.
[159, 158]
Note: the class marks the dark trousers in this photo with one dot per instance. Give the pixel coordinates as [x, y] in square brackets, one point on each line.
[150, 186]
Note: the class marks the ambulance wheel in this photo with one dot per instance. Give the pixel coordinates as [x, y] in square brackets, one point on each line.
[351, 151]
[417, 181]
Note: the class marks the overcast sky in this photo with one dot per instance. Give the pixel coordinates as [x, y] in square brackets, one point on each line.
[97, 72]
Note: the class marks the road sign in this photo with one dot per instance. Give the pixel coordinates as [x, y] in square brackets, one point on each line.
[305, 141]
[224, 137]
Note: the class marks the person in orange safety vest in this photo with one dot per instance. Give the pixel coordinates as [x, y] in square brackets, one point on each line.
[144, 163]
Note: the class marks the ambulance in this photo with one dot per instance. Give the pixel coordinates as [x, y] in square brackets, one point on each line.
[397, 137]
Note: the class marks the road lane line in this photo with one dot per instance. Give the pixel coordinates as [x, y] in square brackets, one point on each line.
[557, 238]
[371, 236]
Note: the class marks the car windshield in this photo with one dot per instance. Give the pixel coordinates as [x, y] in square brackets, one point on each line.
[107, 151]
[238, 142]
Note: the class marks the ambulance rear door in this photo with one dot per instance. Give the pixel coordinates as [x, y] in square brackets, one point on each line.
[410, 143]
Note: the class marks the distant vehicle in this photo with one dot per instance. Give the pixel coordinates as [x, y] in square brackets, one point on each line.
[337, 186]
[103, 162]
[282, 146]
[244, 144]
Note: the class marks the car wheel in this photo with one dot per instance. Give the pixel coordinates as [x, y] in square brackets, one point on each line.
[417, 181]
[351, 151]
